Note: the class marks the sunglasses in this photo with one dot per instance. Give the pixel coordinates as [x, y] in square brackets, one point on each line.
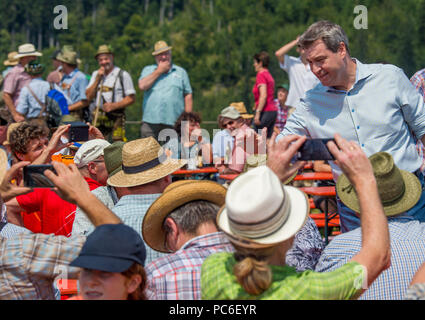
[228, 123]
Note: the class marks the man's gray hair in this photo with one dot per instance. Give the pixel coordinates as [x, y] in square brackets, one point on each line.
[192, 214]
[330, 33]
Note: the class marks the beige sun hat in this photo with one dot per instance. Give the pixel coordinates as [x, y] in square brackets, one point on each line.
[260, 211]
[144, 161]
[69, 57]
[11, 59]
[399, 190]
[230, 112]
[103, 49]
[3, 164]
[175, 195]
[27, 50]
[160, 47]
[240, 106]
[10, 129]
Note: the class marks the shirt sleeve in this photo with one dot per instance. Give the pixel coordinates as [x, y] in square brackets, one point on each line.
[187, 89]
[82, 85]
[287, 63]
[296, 122]
[128, 84]
[412, 104]
[10, 82]
[23, 105]
[146, 71]
[31, 202]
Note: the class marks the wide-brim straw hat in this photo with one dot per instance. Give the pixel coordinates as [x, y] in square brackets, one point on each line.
[240, 106]
[69, 57]
[260, 211]
[27, 50]
[399, 190]
[3, 164]
[11, 59]
[160, 47]
[175, 195]
[10, 129]
[144, 161]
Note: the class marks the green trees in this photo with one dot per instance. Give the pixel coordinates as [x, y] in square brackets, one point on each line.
[214, 40]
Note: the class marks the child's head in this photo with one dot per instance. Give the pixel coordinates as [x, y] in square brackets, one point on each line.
[112, 262]
[282, 94]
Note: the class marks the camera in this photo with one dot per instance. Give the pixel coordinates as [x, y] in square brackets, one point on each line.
[79, 131]
[34, 176]
[315, 149]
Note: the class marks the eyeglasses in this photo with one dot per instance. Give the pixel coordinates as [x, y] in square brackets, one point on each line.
[228, 123]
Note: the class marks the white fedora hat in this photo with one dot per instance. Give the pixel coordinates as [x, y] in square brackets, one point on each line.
[26, 50]
[260, 211]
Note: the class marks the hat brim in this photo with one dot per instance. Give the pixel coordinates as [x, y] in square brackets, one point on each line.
[10, 63]
[102, 263]
[174, 196]
[157, 52]
[412, 194]
[72, 63]
[122, 179]
[297, 217]
[247, 116]
[36, 54]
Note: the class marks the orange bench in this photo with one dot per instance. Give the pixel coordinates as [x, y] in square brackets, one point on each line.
[67, 287]
[319, 219]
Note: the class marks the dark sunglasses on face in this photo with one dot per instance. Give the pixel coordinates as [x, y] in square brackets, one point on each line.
[229, 123]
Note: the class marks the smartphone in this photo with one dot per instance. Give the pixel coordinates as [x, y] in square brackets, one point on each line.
[79, 131]
[34, 176]
[315, 149]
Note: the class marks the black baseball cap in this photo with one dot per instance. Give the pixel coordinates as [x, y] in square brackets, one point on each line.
[111, 248]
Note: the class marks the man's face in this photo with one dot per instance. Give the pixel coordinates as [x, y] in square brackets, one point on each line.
[164, 56]
[24, 60]
[98, 167]
[326, 65]
[106, 61]
[231, 124]
[34, 149]
[282, 94]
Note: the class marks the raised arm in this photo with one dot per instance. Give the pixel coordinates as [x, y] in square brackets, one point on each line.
[280, 54]
[375, 253]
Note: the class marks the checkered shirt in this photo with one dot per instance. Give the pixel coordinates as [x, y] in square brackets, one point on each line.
[416, 292]
[407, 254]
[282, 116]
[29, 263]
[219, 283]
[177, 276]
[131, 209]
[418, 81]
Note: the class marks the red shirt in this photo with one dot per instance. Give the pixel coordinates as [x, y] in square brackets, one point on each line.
[56, 215]
[264, 77]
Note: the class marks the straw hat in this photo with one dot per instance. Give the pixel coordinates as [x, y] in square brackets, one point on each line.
[10, 129]
[160, 47]
[103, 49]
[174, 196]
[399, 190]
[230, 112]
[260, 211]
[240, 106]
[27, 50]
[11, 59]
[144, 161]
[69, 57]
[3, 164]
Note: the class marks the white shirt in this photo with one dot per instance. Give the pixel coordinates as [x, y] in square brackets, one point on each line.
[301, 79]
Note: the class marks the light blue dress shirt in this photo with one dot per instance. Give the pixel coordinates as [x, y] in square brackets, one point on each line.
[376, 112]
[131, 209]
[77, 92]
[164, 101]
[28, 105]
[221, 141]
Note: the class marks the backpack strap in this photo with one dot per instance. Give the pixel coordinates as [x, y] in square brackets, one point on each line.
[120, 76]
[67, 86]
[43, 106]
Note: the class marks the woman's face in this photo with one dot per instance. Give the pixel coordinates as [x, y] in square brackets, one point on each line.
[257, 65]
[101, 285]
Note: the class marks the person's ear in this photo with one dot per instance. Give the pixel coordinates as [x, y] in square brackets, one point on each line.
[20, 156]
[172, 235]
[134, 283]
[91, 167]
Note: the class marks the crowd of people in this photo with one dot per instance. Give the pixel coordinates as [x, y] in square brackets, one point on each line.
[120, 222]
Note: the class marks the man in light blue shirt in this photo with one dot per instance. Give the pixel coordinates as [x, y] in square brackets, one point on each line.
[33, 96]
[167, 92]
[374, 105]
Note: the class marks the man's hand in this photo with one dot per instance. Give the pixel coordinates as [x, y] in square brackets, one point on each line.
[18, 117]
[9, 190]
[257, 120]
[352, 160]
[279, 155]
[70, 184]
[94, 133]
[163, 66]
[109, 106]
[100, 72]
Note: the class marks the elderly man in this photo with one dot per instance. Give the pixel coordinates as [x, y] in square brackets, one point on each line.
[112, 90]
[73, 84]
[17, 78]
[374, 105]
[167, 92]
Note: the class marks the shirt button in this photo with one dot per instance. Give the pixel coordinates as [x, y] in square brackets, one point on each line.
[348, 94]
[352, 110]
[358, 127]
[362, 145]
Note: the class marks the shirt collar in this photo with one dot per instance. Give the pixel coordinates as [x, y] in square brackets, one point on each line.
[73, 72]
[211, 239]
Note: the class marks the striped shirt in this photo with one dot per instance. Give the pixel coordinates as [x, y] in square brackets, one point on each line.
[29, 264]
[177, 276]
[418, 80]
[219, 283]
[407, 254]
[131, 209]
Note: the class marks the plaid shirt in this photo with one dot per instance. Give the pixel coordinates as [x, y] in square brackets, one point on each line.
[177, 276]
[407, 254]
[219, 282]
[29, 263]
[416, 292]
[282, 115]
[418, 80]
[131, 209]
